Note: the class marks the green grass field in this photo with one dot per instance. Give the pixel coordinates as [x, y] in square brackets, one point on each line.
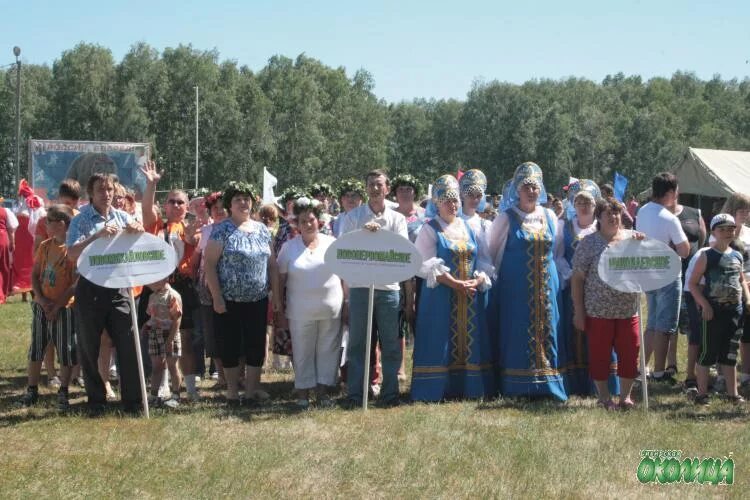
[503, 448]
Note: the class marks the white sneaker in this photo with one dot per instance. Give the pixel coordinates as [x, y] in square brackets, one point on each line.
[215, 376]
[375, 390]
[173, 401]
[54, 382]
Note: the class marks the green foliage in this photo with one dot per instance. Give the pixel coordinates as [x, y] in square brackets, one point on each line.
[308, 122]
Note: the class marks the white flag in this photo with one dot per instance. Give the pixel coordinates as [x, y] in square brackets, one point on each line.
[269, 182]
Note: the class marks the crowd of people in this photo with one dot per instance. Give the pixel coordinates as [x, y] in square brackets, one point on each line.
[508, 301]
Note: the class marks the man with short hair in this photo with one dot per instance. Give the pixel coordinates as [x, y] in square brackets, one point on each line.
[374, 216]
[657, 220]
[98, 308]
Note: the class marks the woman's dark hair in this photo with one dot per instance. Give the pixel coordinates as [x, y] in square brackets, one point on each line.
[607, 190]
[605, 204]
[405, 180]
[662, 184]
[238, 187]
[69, 188]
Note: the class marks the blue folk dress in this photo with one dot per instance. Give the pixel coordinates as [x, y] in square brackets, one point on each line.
[452, 355]
[525, 298]
[576, 361]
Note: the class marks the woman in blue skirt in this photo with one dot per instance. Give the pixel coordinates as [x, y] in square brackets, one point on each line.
[452, 357]
[524, 301]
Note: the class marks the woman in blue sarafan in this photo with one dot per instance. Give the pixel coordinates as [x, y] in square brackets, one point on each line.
[578, 223]
[452, 355]
[523, 310]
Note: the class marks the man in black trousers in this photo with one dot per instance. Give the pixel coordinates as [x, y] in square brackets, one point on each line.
[96, 307]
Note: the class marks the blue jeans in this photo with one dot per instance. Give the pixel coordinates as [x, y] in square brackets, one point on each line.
[664, 308]
[385, 313]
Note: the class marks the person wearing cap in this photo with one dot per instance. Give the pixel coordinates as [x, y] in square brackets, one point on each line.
[738, 206]
[720, 300]
[524, 313]
[452, 350]
[657, 221]
[578, 223]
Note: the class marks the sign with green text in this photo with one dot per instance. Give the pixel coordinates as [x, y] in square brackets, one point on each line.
[639, 265]
[364, 258]
[126, 260]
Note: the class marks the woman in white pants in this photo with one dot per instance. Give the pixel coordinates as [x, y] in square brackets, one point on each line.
[313, 304]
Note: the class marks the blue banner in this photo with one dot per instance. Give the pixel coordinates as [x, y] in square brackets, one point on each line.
[621, 184]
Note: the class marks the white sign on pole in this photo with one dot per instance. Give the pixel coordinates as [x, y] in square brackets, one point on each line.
[363, 258]
[639, 265]
[124, 261]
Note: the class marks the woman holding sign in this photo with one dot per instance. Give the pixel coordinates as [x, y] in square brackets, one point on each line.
[239, 264]
[452, 353]
[609, 317]
[523, 306]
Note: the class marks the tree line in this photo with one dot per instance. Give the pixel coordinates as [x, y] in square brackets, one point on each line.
[308, 122]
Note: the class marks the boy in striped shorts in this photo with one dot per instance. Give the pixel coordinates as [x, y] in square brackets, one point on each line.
[53, 280]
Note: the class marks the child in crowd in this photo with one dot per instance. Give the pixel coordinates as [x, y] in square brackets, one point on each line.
[163, 329]
[720, 301]
[53, 279]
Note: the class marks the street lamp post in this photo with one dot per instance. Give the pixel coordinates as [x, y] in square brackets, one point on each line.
[17, 52]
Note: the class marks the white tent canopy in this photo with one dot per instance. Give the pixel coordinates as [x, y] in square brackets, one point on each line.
[713, 172]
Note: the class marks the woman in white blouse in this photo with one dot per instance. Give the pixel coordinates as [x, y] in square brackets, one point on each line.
[312, 300]
[452, 352]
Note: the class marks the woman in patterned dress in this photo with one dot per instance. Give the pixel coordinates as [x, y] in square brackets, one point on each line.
[523, 311]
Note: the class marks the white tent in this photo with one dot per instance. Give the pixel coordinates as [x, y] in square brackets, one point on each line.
[713, 172]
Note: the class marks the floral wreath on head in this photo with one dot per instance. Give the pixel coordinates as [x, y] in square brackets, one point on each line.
[291, 193]
[239, 187]
[352, 186]
[197, 193]
[405, 180]
[304, 203]
[321, 188]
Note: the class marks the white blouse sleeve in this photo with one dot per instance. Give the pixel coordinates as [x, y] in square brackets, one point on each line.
[432, 265]
[498, 237]
[563, 268]
[12, 221]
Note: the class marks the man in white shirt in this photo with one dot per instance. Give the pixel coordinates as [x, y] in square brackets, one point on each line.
[374, 216]
[656, 220]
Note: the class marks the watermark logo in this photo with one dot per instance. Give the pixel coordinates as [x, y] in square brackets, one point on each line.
[668, 466]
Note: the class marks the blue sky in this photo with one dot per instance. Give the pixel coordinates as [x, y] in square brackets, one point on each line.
[432, 49]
